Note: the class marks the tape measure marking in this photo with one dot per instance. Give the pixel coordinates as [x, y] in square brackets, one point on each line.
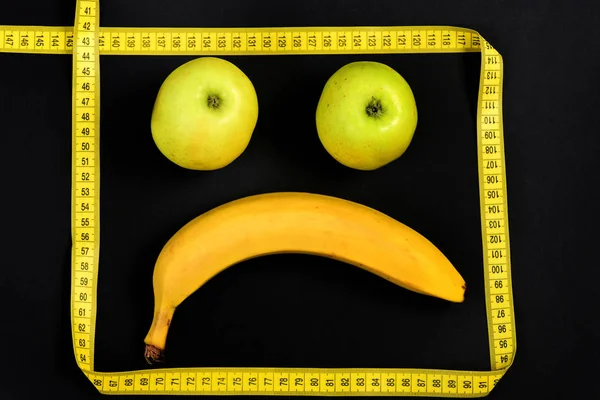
[279, 41]
[86, 41]
[86, 181]
[302, 381]
[494, 216]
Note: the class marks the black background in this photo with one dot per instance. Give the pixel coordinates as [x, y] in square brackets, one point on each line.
[292, 310]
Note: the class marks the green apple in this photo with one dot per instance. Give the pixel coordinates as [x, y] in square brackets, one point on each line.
[366, 116]
[204, 114]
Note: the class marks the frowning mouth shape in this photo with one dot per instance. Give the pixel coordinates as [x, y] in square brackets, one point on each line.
[293, 222]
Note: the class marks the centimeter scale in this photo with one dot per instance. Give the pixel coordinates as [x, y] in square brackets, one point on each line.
[86, 41]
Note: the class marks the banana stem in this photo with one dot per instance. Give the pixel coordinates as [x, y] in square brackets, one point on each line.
[153, 354]
[157, 335]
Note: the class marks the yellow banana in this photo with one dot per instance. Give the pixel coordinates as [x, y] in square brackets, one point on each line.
[293, 222]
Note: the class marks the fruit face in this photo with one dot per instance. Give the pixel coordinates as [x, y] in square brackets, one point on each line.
[204, 114]
[366, 116]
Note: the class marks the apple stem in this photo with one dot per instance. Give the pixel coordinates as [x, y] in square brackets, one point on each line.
[374, 108]
[213, 101]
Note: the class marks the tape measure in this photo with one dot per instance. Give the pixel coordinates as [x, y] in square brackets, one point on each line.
[86, 41]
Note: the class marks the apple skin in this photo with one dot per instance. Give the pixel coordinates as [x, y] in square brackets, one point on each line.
[345, 128]
[188, 126]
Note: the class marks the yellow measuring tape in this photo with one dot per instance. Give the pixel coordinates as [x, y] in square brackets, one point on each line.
[86, 41]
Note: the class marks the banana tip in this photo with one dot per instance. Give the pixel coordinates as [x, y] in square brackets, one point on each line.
[153, 354]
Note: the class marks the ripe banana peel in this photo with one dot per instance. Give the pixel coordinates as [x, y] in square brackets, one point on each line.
[293, 222]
